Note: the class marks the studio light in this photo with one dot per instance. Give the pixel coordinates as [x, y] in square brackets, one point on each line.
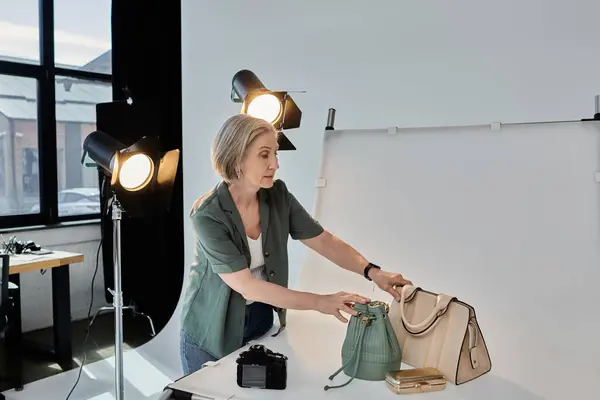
[275, 107]
[136, 172]
[139, 174]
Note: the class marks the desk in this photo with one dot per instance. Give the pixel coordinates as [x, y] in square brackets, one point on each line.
[58, 262]
[312, 343]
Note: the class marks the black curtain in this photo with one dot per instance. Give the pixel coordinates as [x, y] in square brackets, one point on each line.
[146, 65]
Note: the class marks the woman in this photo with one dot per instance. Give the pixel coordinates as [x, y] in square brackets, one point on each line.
[240, 273]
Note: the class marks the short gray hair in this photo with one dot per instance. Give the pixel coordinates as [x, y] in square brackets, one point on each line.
[232, 141]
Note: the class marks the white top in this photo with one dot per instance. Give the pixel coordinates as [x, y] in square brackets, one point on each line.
[257, 259]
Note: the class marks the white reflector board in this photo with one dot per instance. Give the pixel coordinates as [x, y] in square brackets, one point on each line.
[506, 219]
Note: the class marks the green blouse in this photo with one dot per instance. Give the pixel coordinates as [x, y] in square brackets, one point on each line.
[213, 314]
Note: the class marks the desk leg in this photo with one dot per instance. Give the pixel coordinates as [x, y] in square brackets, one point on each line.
[61, 311]
[14, 337]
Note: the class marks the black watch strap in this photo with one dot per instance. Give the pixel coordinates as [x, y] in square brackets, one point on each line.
[368, 268]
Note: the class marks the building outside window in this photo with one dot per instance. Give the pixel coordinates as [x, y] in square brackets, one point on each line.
[55, 66]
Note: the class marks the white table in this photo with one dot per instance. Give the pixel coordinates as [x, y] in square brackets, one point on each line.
[59, 263]
[312, 342]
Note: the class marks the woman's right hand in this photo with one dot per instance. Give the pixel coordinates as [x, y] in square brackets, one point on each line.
[332, 304]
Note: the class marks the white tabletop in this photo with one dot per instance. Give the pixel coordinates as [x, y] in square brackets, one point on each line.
[20, 263]
[312, 342]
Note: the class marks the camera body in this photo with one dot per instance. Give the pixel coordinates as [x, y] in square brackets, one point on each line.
[259, 367]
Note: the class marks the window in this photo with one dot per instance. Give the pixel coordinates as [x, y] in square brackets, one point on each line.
[78, 189]
[55, 66]
[82, 34]
[20, 31]
[19, 167]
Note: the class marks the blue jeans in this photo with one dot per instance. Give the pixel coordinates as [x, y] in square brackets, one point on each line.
[259, 319]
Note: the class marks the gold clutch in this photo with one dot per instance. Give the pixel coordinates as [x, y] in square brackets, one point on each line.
[417, 380]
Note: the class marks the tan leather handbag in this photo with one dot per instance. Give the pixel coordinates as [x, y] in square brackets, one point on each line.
[439, 331]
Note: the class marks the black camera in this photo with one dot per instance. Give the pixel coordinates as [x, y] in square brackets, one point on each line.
[259, 367]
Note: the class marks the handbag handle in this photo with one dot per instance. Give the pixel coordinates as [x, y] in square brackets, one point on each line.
[443, 300]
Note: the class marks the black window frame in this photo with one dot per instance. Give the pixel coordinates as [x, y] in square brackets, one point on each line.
[45, 73]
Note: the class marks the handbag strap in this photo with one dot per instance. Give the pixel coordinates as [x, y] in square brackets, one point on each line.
[440, 308]
[365, 320]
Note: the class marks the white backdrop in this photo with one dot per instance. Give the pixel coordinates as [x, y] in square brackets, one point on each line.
[507, 221]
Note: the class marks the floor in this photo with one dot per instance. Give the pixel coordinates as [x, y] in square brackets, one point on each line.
[100, 345]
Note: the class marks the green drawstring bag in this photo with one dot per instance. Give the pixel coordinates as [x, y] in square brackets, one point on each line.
[370, 348]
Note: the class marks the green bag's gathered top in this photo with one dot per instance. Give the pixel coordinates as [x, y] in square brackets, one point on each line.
[370, 348]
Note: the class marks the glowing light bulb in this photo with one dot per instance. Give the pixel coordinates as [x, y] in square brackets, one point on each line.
[136, 172]
[265, 106]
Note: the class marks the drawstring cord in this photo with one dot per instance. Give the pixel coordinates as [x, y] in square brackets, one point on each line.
[365, 321]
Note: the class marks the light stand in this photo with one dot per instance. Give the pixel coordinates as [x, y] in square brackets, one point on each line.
[142, 176]
[118, 297]
[117, 293]
[117, 211]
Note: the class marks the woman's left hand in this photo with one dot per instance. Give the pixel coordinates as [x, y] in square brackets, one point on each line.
[387, 281]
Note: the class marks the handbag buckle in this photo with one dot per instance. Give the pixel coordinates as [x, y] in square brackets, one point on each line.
[378, 303]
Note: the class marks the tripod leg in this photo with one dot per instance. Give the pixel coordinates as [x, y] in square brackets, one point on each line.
[136, 313]
[98, 313]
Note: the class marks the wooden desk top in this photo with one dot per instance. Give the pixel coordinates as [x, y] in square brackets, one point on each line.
[31, 262]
